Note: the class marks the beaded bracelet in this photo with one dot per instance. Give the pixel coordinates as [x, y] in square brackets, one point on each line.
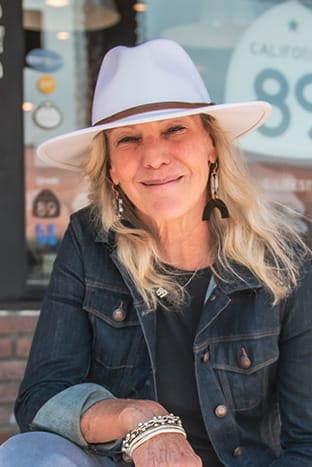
[146, 430]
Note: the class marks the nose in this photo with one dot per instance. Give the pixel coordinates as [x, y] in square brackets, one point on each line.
[155, 153]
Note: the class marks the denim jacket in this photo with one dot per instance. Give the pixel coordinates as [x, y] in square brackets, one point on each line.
[95, 339]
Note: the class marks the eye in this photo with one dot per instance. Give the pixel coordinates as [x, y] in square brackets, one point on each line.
[128, 139]
[175, 129]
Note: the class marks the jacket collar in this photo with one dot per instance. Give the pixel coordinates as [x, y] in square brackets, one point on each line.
[237, 279]
[102, 236]
[108, 238]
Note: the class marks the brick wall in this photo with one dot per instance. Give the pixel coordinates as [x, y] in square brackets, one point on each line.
[16, 331]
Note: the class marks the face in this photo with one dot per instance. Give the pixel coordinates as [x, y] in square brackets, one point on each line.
[162, 166]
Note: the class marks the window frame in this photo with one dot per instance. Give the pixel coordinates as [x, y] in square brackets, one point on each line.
[12, 241]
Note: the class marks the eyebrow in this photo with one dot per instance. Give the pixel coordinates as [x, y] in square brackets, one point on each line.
[129, 127]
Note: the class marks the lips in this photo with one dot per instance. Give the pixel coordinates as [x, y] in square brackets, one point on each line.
[162, 181]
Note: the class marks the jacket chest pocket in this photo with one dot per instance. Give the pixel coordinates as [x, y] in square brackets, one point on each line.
[119, 351]
[245, 369]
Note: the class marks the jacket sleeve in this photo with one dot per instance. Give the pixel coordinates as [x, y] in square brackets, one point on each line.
[54, 384]
[61, 414]
[295, 377]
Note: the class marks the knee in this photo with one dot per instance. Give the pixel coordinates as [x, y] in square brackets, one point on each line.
[19, 447]
[41, 450]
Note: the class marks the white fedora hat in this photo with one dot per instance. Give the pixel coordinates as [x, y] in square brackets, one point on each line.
[152, 81]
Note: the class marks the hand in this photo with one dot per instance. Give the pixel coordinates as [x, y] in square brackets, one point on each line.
[111, 419]
[166, 450]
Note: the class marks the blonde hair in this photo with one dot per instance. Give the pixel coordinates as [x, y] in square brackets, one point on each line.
[258, 234]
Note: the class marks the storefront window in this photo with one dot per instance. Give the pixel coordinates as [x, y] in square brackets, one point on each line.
[64, 44]
[244, 49]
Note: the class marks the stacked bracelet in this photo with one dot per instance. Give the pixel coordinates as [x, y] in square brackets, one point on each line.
[144, 431]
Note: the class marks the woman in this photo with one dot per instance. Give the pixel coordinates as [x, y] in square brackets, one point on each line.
[176, 329]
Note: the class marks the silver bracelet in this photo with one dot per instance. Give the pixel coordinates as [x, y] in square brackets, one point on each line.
[145, 431]
[150, 434]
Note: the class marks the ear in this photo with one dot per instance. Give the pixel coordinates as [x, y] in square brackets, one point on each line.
[113, 176]
[212, 156]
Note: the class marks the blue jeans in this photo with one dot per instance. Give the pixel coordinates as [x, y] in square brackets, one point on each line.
[40, 449]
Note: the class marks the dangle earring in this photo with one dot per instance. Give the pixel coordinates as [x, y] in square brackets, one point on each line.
[118, 202]
[214, 201]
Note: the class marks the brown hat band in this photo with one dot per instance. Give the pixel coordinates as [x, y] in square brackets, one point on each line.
[139, 109]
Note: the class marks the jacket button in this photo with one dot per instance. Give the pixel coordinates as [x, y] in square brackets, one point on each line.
[244, 360]
[205, 357]
[119, 314]
[221, 411]
[212, 298]
[237, 451]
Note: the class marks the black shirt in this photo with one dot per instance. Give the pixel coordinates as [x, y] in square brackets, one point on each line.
[175, 375]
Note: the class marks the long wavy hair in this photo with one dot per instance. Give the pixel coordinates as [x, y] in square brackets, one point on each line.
[259, 234]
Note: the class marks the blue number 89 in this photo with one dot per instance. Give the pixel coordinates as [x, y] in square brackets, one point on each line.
[278, 98]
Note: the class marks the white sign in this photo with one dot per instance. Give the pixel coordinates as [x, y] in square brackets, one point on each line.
[273, 62]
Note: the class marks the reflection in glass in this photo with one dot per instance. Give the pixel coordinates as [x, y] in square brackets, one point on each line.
[77, 15]
[65, 41]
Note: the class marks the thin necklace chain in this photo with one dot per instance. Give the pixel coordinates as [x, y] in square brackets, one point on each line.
[161, 292]
[189, 280]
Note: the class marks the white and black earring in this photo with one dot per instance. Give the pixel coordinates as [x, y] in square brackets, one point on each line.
[214, 201]
[119, 209]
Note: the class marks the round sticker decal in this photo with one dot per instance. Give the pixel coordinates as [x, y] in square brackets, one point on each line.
[44, 60]
[47, 116]
[46, 84]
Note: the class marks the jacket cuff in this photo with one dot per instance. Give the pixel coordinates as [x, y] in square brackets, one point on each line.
[61, 414]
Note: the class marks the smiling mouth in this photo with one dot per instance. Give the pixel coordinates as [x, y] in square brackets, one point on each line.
[165, 181]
